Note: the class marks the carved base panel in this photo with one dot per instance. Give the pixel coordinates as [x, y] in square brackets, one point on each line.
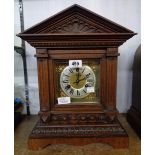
[44, 134]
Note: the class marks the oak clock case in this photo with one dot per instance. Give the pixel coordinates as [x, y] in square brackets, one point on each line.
[91, 115]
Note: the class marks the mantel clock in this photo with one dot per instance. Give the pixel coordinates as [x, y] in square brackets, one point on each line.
[76, 53]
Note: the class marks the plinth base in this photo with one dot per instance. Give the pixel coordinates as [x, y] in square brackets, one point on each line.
[115, 142]
[46, 134]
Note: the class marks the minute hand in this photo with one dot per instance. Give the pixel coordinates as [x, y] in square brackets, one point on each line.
[77, 81]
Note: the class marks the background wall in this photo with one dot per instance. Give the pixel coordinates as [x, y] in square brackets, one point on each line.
[124, 12]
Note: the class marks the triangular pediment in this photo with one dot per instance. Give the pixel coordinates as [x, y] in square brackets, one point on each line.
[74, 24]
[76, 19]
[76, 27]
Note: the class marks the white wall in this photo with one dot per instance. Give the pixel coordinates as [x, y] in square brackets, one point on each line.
[123, 12]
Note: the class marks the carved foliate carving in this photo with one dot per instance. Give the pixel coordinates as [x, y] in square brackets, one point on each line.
[45, 116]
[77, 131]
[79, 118]
[75, 24]
[76, 19]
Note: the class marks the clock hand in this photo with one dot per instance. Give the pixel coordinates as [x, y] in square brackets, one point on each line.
[78, 75]
[82, 79]
[77, 81]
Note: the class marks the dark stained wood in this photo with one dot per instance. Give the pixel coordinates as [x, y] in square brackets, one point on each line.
[77, 33]
[43, 79]
[51, 83]
[78, 54]
[115, 142]
[103, 77]
[78, 107]
[75, 41]
[111, 65]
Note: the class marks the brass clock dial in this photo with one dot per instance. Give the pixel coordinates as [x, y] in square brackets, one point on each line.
[77, 82]
[70, 83]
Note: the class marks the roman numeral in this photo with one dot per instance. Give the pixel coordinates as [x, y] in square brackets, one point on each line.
[84, 91]
[87, 85]
[78, 93]
[83, 70]
[87, 76]
[71, 71]
[77, 69]
[67, 87]
[65, 81]
[71, 91]
[66, 75]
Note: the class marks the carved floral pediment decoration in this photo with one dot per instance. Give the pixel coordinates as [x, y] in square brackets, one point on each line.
[75, 24]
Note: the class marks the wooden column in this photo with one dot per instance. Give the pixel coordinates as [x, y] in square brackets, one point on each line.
[52, 84]
[103, 82]
[111, 81]
[43, 79]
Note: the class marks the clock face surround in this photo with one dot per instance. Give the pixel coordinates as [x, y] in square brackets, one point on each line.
[76, 89]
[77, 82]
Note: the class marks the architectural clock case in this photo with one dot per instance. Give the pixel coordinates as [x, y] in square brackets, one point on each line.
[76, 53]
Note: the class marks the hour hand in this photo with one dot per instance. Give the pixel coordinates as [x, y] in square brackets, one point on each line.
[82, 79]
[77, 81]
